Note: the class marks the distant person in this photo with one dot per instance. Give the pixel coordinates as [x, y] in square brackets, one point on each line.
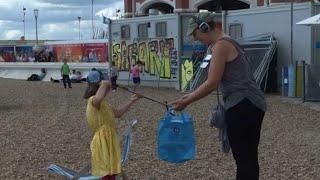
[82, 78]
[135, 70]
[95, 57]
[65, 71]
[91, 56]
[19, 58]
[103, 75]
[36, 57]
[75, 76]
[114, 76]
[31, 59]
[24, 57]
[85, 59]
[51, 57]
[38, 77]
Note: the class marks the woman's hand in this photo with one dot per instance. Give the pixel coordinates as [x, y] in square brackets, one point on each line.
[181, 103]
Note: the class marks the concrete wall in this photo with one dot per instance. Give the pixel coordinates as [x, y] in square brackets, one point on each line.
[24, 70]
[315, 46]
[277, 20]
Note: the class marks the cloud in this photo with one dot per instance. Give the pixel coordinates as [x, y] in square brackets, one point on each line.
[58, 19]
[79, 2]
[110, 11]
[10, 34]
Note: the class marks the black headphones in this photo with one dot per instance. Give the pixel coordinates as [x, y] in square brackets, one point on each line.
[203, 26]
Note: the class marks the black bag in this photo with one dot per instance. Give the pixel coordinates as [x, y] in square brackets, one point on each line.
[217, 118]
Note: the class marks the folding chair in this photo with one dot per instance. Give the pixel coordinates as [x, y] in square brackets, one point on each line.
[84, 173]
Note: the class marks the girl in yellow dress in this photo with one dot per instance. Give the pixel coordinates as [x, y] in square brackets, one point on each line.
[105, 147]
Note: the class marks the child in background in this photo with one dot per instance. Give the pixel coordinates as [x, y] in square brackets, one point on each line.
[136, 74]
[105, 147]
[75, 77]
[114, 76]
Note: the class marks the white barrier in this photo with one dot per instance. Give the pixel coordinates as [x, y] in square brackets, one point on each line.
[18, 70]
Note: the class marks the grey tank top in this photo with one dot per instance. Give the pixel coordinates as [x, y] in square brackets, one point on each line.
[238, 83]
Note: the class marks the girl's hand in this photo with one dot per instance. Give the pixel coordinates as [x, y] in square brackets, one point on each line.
[105, 82]
[135, 97]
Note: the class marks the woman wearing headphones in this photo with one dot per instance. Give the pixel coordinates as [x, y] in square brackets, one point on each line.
[244, 102]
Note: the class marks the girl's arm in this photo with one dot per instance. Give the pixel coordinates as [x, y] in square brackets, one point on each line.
[101, 93]
[118, 112]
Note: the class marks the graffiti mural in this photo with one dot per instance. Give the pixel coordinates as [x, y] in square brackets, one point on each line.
[174, 63]
[155, 54]
[154, 59]
[132, 55]
[167, 46]
[143, 55]
[186, 73]
[116, 55]
[124, 65]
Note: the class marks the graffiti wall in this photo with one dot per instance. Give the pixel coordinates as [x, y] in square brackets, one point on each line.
[159, 56]
[186, 72]
[189, 66]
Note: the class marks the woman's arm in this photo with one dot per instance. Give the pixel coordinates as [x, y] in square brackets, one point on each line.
[215, 73]
[101, 93]
[118, 112]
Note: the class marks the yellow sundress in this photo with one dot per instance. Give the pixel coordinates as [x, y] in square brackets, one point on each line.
[105, 147]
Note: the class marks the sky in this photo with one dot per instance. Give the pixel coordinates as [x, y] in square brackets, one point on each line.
[57, 20]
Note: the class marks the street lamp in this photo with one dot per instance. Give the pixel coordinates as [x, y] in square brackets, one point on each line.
[92, 18]
[79, 19]
[36, 13]
[291, 32]
[24, 22]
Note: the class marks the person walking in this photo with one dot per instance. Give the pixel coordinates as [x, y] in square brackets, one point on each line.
[114, 76]
[65, 71]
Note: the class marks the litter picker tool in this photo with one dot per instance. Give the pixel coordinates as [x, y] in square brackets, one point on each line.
[129, 90]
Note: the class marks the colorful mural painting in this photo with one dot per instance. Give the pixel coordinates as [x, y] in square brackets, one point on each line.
[16, 53]
[186, 73]
[73, 52]
[24, 54]
[81, 52]
[189, 66]
[94, 52]
[143, 54]
[7, 54]
[155, 54]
